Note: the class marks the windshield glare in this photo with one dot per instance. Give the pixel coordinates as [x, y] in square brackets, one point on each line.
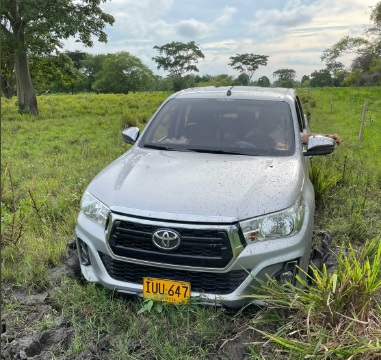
[248, 127]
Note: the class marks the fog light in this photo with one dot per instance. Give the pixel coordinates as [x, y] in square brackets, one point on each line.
[287, 276]
[84, 255]
[288, 273]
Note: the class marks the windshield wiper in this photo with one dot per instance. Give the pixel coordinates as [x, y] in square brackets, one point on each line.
[159, 147]
[217, 151]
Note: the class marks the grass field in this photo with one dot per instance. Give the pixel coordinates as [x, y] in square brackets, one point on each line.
[46, 163]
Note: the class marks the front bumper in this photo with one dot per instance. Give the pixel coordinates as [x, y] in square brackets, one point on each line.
[223, 286]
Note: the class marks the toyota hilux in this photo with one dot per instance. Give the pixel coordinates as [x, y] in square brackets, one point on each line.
[213, 195]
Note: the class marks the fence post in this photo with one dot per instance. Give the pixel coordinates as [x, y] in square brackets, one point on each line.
[363, 120]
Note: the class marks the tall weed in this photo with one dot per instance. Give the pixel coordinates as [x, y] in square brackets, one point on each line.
[335, 315]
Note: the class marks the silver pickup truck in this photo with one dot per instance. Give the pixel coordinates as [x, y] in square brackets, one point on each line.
[213, 195]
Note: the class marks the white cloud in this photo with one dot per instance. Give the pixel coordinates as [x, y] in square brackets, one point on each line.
[196, 29]
[225, 18]
[293, 33]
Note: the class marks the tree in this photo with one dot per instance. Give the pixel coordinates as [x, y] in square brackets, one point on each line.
[367, 47]
[285, 78]
[77, 57]
[264, 81]
[121, 73]
[346, 45]
[38, 26]
[90, 66]
[248, 63]
[53, 71]
[339, 76]
[305, 80]
[162, 84]
[218, 80]
[178, 59]
[7, 68]
[242, 79]
[334, 66]
[203, 78]
[337, 71]
[321, 78]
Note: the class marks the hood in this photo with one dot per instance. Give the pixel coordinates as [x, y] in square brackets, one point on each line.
[187, 186]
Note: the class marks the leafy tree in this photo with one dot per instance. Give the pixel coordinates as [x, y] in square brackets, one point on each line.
[339, 76]
[360, 78]
[162, 84]
[7, 68]
[38, 26]
[367, 47]
[321, 78]
[346, 45]
[285, 78]
[178, 58]
[263, 81]
[203, 78]
[82, 83]
[218, 80]
[121, 73]
[53, 71]
[248, 64]
[77, 57]
[242, 79]
[90, 66]
[338, 72]
[363, 62]
[305, 80]
[332, 67]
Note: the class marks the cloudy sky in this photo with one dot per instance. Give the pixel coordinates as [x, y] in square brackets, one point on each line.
[293, 33]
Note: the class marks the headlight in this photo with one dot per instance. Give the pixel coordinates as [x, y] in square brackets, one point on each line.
[94, 209]
[281, 224]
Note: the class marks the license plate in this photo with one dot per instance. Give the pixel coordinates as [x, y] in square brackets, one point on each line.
[166, 290]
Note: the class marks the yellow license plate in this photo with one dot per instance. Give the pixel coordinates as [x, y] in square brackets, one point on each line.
[166, 290]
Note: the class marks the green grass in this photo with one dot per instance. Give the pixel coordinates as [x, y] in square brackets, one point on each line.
[335, 315]
[46, 163]
[183, 332]
[348, 182]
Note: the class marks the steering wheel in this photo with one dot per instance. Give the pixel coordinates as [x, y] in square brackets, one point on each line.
[260, 141]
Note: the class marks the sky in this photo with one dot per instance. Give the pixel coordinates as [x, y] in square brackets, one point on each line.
[293, 33]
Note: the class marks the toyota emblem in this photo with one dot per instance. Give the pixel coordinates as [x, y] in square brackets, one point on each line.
[166, 239]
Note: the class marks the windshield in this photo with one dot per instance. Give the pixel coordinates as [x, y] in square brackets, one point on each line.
[245, 127]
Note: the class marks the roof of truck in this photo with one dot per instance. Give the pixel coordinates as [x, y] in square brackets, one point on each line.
[237, 92]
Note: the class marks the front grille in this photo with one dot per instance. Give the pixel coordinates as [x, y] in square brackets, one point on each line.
[202, 282]
[201, 248]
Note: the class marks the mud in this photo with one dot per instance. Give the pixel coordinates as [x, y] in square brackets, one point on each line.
[21, 311]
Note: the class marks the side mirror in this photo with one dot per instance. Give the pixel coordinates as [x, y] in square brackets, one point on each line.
[319, 145]
[130, 135]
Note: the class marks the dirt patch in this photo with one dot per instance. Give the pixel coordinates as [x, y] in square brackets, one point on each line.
[32, 328]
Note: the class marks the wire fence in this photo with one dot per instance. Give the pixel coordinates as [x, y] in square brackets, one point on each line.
[367, 113]
[368, 120]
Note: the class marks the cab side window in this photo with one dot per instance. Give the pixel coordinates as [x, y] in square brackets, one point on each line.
[300, 114]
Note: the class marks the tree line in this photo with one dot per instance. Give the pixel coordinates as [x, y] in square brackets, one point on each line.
[33, 63]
